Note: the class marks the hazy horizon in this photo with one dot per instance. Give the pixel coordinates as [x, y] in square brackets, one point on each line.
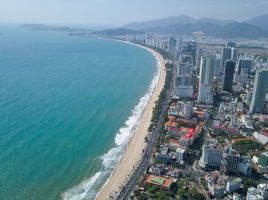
[119, 12]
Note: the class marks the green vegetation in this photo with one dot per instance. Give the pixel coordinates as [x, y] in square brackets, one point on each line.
[182, 189]
[184, 192]
[159, 102]
[247, 183]
[246, 146]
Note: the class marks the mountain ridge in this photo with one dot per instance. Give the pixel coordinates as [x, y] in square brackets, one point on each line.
[185, 25]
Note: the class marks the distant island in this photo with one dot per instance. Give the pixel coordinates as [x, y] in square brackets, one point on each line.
[179, 25]
[119, 31]
[42, 27]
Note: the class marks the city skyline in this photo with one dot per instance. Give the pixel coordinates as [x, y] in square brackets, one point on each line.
[119, 12]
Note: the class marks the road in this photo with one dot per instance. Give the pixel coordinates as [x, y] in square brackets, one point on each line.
[192, 171]
[149, 150]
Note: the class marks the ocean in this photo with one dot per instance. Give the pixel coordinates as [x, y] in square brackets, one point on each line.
[68, 106]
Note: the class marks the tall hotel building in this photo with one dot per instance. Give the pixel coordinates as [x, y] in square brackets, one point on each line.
[205, 94]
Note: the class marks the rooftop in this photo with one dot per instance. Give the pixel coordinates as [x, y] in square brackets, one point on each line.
[171, 122]
[159, 181]
[189, 133]
[174, 142]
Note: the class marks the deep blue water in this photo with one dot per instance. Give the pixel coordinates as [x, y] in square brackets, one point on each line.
[62, 101]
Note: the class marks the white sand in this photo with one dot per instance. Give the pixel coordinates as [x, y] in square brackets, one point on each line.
[134, 150]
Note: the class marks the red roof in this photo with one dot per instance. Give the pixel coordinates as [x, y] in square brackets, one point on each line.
[174, 141]
[159, 181]
[190, 133]
[171, 122]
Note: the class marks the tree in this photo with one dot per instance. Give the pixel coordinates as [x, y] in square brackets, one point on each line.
[198, 196]
[152, 189]
[181, 192]
[162, 196]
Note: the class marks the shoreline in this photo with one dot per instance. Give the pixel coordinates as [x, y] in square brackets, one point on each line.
[134, 150]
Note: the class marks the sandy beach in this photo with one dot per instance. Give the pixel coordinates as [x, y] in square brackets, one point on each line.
[134, 150]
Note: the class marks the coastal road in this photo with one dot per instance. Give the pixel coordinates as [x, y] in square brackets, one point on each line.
[148, 152]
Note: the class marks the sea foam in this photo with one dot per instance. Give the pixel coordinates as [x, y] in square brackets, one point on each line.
[91, 187]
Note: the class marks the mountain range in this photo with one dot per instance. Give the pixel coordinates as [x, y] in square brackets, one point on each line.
[256, 27]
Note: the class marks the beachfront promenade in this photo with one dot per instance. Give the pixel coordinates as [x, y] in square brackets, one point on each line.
[138, 145]
[129, 187]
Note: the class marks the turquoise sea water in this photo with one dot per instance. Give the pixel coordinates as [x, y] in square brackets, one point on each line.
[63, 100]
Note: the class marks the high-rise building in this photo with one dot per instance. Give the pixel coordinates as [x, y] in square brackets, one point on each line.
[184, 85]
[259, 91]
[199, 54]
[206, 80]
[217, 68]
[228, 75]
[244, 66]
[230, 44]
[248, 96]
[178, 44]
[227, 54]
[190, 49]
[234, 54]
[184, 68]
[171, 44]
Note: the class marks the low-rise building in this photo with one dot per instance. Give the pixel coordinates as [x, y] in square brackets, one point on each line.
[180, 154]
[237, 196]
[233, 185]
[216, 184]
[259, 193]
[174, 144]
[189, 136]
[212, 155]
[263, 162]
[159, 181]
[171, 123]
[262, 137]
[234, 163]
[174, 131]
[157, 169]
[225, 129]
[188, 110]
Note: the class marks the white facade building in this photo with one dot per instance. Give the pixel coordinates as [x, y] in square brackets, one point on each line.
[188, 110]
[205, 94]
[259, 193]
[261, 137]
[179, 154]
[211, 156]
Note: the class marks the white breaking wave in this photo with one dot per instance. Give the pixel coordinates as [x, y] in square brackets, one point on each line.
[89, 188]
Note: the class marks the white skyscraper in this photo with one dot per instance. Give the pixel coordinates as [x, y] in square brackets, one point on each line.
[178, 44]
[259, 91]
[206, 80]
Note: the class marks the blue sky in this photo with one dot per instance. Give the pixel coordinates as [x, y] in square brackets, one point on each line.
[119, 12]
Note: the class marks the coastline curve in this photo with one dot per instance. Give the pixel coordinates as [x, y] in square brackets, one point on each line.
[131, 134]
